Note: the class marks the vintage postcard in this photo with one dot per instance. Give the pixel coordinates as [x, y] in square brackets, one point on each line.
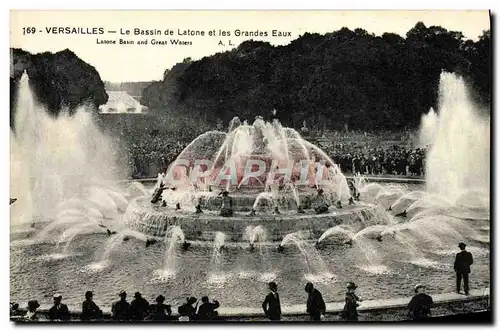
[250, 166]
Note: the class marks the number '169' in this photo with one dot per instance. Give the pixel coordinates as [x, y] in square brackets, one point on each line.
[29, 30]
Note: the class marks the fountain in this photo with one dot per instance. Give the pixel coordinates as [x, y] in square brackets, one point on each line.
[174, 236]
[270, 172]
[458, 161]
[273, 176]
[317, 271]
[60, 167]
[216, 275]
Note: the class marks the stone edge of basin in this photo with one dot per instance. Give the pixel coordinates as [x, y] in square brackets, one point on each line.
[331, 307]
[407, 180]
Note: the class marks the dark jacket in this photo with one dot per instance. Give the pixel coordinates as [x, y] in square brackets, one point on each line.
[463, 261]
[139, 309]
[420, 306]
[207, 311]
[90, 311]
[60, 313]
[121, 311]
[315, 304]
[272, 306]
[350, 311]
[160, 312]
[187, 310]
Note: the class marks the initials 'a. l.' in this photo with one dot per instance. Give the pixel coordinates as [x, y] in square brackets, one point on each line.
[222, 44]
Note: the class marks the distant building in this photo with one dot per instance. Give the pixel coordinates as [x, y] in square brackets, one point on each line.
[120, 102]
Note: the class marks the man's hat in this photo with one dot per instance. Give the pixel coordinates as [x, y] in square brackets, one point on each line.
[33, 304]
[122, 293]
[191, 300]
[351, 285]
[137, 295]
[461, 245]
[57, 296]
[418, 286]
[272, 285]
[89, 294]
[160, 298]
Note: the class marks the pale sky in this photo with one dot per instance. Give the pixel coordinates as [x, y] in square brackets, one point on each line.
[118, 63]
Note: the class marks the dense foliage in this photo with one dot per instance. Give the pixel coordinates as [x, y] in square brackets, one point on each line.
[344, 78]
[59, 80]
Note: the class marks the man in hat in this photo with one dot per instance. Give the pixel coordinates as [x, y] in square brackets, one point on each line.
[315, 304]
[207, 310]
[59, 311]
[463, 261]
[420, 305]
[187, 312]
[14, 309]
[31, 314]
[90, 311]
[271, 304]
[120, 310]
[139, 307]
[350, 311]
[160, 311]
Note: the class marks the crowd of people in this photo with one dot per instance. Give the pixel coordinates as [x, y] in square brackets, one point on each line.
[148, 154]
[139, 309]
[378, 161]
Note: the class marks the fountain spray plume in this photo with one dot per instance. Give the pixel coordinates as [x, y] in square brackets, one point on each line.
[216, 261]
[254, 234]
[54, 159]
[428, 128]
[344, 232]
[459, 159]
[315, 264]
[173, 236]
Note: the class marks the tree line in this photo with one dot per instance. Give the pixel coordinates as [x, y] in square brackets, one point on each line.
[344, 78]
[59, 81]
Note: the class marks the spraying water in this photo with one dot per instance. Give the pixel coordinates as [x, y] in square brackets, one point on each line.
[255, 234]
[216, 262]
[316, 266]
[428, 128]
[459, 159]
[54, 159]
[173, 236]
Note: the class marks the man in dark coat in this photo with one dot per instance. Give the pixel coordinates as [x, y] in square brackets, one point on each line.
[120, 310]
[160, 311]
[350, 311]
[187, 312]
[315, 305]
[139, 307]
[463, 261]
[90, 311]
[59, 311]
[271, 304]
[420, 305]
[207, 310]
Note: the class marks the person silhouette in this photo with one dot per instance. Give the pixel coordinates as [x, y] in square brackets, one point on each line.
[271, 304]
[463, 261]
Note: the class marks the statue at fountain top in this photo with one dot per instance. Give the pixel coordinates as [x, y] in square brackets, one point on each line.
[227, 205]
[304, 130]
[320, 204]
[157, 193]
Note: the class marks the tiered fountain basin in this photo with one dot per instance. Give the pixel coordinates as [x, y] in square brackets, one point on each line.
[156, 220]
